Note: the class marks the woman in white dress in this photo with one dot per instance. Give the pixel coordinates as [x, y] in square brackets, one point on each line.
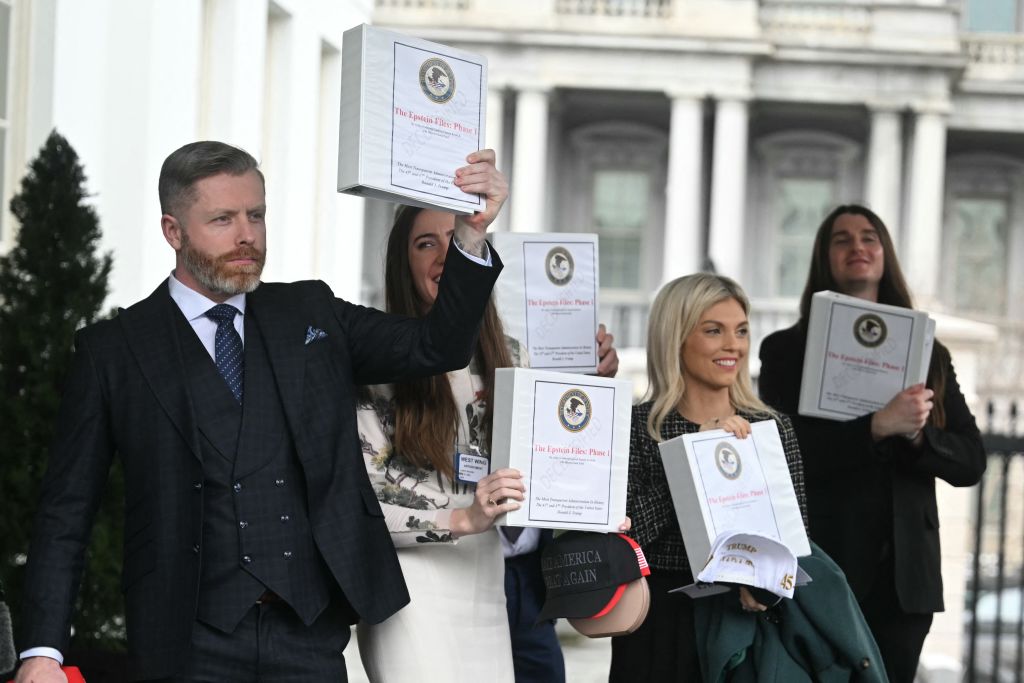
[455, 627]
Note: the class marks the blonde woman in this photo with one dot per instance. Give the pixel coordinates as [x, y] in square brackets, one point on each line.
[698, 341]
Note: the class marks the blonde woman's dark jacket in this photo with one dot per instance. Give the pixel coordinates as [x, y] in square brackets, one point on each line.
[819, 635]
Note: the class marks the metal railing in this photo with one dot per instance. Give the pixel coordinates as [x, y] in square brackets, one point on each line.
[458, 5]
[995, 610]
[786, 17]
[994, 48]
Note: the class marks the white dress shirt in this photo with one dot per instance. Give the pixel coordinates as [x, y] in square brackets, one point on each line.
[527, 542]
[194, 307]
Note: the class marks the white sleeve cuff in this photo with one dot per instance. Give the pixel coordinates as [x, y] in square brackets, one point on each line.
[43, 652]
[476, 259]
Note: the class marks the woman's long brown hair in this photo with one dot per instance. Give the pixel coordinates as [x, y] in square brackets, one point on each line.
[426, 415]
[892, 290]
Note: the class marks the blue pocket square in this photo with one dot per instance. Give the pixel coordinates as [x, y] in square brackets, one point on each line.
[314, 334]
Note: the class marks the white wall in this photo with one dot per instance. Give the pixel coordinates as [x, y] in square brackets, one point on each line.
[125, 95]
[128, 82]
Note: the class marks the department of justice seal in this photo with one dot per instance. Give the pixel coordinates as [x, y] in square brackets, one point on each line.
[870, 330]
[727, 460]
[574, 410]
[437, 80]
[559, 266]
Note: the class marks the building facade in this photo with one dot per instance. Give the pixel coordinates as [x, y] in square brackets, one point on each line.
[128, 82]
[696, 134]
[717, 133]
[688, 134]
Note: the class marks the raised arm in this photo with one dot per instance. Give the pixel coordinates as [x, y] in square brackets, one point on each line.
[479, 176]
[389, 348]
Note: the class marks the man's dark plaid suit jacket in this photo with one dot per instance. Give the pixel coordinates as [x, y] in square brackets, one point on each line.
[127, 395]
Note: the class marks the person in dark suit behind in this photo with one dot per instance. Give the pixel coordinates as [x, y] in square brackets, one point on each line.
[871, 481]
[252, 537]
[8, 657]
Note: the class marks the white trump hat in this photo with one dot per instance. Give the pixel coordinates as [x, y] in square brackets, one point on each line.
[753, 560]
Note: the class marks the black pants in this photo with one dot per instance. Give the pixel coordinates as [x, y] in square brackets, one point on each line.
[900, 635]
[536, 654]
[664, 648]
[271, 645]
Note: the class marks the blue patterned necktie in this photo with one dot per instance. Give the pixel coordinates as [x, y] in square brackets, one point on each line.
[228, 347]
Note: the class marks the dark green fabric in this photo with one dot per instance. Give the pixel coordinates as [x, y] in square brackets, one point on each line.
[819, 635]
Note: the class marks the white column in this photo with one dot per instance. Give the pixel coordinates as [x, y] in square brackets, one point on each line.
[728, 188]
[340, 220]
[32, 41]
[290, 134]
[529, 181]
[885, 167]
[1015, 252]
[152, 51]
[682, 245]
[234, 33]
[495, 140]
[924, 218]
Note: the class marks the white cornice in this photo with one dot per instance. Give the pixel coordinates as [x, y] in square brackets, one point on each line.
[499, 39]
[871, 57]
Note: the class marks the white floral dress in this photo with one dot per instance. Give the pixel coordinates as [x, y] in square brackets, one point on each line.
[455, 628]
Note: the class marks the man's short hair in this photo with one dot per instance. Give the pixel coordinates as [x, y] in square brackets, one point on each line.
[187, 165]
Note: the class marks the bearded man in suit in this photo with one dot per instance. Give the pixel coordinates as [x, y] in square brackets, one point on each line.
[252, 536]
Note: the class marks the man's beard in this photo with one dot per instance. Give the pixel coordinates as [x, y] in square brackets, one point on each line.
[216, 275]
